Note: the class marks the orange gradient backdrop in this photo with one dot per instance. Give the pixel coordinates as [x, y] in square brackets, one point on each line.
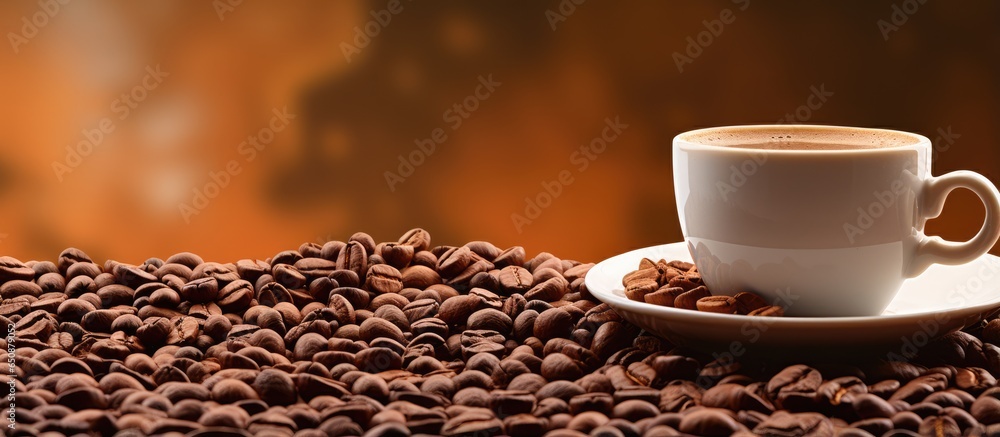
[226, 69]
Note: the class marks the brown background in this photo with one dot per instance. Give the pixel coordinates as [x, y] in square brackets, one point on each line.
[323, 177]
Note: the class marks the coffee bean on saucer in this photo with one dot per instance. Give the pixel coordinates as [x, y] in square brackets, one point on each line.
[747, 302]
[665, 296]
[686, 282]
[681, 265]
[640, 275]
[717, 304]
[676, 278]
[637, 289]
[647, 263]
[689, 299]
[768, 311]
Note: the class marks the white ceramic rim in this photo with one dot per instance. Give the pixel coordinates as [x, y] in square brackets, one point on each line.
[682, 141]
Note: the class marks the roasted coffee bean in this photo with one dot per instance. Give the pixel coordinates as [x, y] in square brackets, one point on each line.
[472, 422]
[418, 238]
[513, 256]
[689, 299]
[553, 323]
[871, 406]
[132, 276]
[747, 302]
[17, 288]
[419, 277]
[664, 296]
[768, 311]
[685, 281]
[717, 304]
[455, 260]
[201, 290]
[557, 366]
[353, 257]
[555, 288]
[485, 280]
[637, 289]
[974, 379]
[514, 279]
[610, 337]
[645, 272]
[374, 328]
[794, 379]
[784, 423]
[490, 319]
[13, 270]
[383, 278]
[221, 272]
[710, 421]
[456, 310]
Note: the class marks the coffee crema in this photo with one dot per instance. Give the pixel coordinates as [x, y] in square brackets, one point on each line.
[803, 145]
[801, 138]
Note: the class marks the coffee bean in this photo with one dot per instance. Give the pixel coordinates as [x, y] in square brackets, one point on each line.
[275, 387]
[794, 379]
[13, 270]
[553, 323]
[472, 422]
[201, 290]
[15, 288]
[555, 288]
[457, 310]
[939, 426]
[871, 406]
[462, 279]
[371, 386]
[490, 319]
[918, 388]
[221, 272]
[768, 311]
[513, 256]
[637, 289]
[609, 338]
[383, 278]
[558, 366]
[418, 238]
[420, 277]
[747, 302]
[514, 279]
[375, 327]
[132, 276]
[396, 254]
[688, 300]
[717, 304]
[664, 296]
[784, 423]
[455, 261]
[974, 379]
[710, 421]
[353, 257]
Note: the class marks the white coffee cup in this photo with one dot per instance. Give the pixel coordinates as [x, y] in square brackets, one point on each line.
[824, 220]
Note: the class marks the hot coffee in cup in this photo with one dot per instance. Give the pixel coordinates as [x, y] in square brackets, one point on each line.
[827, 220]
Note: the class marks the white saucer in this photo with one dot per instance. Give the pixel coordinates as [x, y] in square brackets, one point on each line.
[941, 300]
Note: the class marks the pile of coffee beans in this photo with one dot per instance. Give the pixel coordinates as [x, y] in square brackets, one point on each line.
[405, 338]
[678, 284]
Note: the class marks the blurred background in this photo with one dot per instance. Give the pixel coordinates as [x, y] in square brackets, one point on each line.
[140, 129]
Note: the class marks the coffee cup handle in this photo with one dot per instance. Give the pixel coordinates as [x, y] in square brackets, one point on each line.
[930, 202]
